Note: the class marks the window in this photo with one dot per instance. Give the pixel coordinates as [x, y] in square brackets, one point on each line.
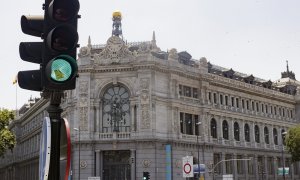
[215, 98]
[266, 133]
[253, 108]
[228, 164]
[275, 136]
[266, 108]
[195, 93]
[189, 92]
[256, 131]
[237, 102]
[226, 100]
[188, 124]
[116, 109]
[247, 133]
[209, 96]
[236, 131]
[217, 159]
[243, 104]
[257, 108]
[232, 101]
[247, 105]
[240, 164]
[225, 130]
[221, 99]
[213, 128]
[270, 165]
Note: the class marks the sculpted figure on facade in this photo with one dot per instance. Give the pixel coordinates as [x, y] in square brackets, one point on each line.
[173, 54]
[115, 51]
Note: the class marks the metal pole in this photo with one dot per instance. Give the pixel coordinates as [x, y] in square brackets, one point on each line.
[54, 111]
[198, 157]
[79, 155]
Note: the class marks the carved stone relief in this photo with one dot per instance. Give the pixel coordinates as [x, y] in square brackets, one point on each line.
[83, 118]
[145, 103]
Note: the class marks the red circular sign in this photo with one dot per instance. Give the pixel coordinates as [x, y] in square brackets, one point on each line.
[187, 168]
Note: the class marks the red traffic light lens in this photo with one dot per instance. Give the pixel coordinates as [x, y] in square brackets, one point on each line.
[63, 10]
[62, 38]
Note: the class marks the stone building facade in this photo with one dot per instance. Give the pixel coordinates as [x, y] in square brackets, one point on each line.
[133, 100]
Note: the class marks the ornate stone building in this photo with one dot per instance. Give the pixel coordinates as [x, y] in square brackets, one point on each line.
[133, 101]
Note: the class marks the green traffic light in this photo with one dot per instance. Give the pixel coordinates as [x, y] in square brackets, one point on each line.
[62, 68]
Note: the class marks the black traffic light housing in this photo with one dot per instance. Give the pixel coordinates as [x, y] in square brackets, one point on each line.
[57, 53]
[31, 52]
[59, 58]
[146, 176]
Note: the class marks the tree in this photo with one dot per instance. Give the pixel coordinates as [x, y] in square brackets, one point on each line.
[7, 138]
[293, 142]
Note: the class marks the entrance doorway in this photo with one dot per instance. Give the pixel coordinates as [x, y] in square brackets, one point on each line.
[116, 165]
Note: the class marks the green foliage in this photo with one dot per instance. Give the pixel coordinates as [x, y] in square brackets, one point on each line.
[7, 138]
[293, 142]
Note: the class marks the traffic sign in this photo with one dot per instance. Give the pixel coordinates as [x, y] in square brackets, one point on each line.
[65, 150]
[200, 168]
[45, 148]
[286, 171]
[187, 166]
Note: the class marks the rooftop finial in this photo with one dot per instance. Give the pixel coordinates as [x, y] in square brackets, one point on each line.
[117, 25]
[153, 41]
[89, 42]
[287, 66]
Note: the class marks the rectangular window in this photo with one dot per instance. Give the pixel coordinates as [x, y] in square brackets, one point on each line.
[209, 96]
[247, 104]
[232, 101]
[270, 165]
[266, 108]
[217, 159]
[187, 91]
[215, 98]
[180, 90]
[195, 93]
[221, 99]
[226, 100]
[240, 165]
[243, 104]
[228, 164]
[189, 124]
[250, 165]
[181, 122]
[257, 107]
[262, 108]
[237, 102]
[291, 113]
[253, 106]
[271, 109]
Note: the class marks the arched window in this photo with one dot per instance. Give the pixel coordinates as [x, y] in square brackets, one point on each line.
[247, 132]
[256, 131]
[275, 136]
[266, 134]
[213, 128]
[116, 109]
[236, 131]
[225, 130]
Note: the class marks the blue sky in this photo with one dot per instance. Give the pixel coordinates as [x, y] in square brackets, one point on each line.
[251, 36]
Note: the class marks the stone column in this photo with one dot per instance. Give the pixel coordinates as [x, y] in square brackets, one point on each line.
[235, 174]
[256, 173]
[246, 167]
[275, 161]
[97, 162]
[266, 171]
[223, 164]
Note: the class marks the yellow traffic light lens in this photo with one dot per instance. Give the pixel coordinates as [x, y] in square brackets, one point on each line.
[61, 70]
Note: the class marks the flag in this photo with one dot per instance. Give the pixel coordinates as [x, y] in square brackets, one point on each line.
[15, 80]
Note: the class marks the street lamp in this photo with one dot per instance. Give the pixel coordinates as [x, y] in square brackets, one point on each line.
[213, 169]
[197, 136]
[282, 153]
[78, 129]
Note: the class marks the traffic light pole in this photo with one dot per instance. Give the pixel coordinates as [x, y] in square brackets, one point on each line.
[55, 111]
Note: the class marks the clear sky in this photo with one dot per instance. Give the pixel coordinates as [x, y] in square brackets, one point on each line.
[251, 36]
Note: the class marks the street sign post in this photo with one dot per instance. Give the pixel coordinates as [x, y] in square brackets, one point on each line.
[187, 166]
[45, 148]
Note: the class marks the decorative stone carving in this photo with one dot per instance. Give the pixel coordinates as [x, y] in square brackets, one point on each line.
[84, 52]
[83, 164]
[175, 122]
[146, 163]
[83, 87]
[83, 118]
[115, 51]
[145, 116]
[145, 103]
[173, 54]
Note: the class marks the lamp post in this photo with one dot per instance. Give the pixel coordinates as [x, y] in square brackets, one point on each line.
[78, 129]
[213, 169]
[282, 154]
[197, 135]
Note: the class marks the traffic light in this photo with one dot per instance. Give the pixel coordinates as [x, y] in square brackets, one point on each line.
[59, 65]
[31, 52]
[146, 176]
[57, 53]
